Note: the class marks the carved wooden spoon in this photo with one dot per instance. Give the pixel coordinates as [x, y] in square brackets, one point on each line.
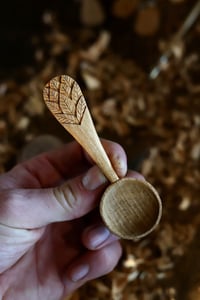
[130, 208]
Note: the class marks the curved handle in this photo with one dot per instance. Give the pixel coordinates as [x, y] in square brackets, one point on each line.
[65, 100]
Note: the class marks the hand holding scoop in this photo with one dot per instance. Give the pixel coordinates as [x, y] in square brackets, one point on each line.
[129, 207]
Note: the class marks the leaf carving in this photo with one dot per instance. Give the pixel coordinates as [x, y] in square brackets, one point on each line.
[65, 100]
[80, 106]
[53, 106]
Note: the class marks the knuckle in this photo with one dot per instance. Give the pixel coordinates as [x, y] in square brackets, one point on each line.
[66, 197]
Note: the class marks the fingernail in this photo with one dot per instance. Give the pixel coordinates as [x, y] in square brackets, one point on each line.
[97, 236]
[93, 179]
[120, 166]
[79, 272]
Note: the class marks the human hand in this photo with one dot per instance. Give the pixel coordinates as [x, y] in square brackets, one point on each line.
[52, 239]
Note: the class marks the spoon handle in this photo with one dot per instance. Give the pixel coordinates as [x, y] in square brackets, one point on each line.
[65, 100]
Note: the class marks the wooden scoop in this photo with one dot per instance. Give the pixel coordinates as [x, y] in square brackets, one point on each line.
[130, 208]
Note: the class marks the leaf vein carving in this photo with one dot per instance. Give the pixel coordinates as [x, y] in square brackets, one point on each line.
[64, 98]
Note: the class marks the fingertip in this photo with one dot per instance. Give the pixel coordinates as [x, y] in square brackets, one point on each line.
[117, 156]
[94, 264]
[91, 265]
[119, 163]
[97, 236]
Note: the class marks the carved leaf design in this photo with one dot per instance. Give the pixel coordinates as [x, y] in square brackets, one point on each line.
[80, 107]
[53, 106]
[65, 100]
[71, 119]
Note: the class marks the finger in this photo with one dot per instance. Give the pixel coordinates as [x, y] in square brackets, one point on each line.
[91, 265]
[97, 236]
[116, 155]
[50, 168]
[47, 169]
[31, 208]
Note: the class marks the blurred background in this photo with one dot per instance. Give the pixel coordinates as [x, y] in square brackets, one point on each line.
[138, 64]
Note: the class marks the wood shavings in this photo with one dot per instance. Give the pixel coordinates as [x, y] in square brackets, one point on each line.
[132, 261]
[3, 89]
[48, 17]
[195, 152]
[59, 42]
[92, 13]
[133, 276]
[3, 127]
[34, 106]
[194, 294]
[185, 203]
[23, 123]
[101, 287]
[171, 293]
[91, 82]
[97, 49]
[118, 285]
[147, 21]
[74, 296]
[177, 48]
[124, 8]
[187, 74]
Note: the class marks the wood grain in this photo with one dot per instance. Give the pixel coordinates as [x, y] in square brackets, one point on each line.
[135, 207]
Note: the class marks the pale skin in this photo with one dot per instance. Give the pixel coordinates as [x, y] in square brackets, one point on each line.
[52, 239]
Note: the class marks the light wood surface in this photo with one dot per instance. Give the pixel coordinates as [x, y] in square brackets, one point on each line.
[65, 100]
[130, 208]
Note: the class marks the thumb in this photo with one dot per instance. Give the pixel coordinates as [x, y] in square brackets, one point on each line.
[32, 208]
